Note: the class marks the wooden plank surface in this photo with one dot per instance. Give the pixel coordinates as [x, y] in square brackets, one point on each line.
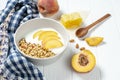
[107, 54]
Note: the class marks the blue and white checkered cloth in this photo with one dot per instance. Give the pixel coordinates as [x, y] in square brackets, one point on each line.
[13, 66]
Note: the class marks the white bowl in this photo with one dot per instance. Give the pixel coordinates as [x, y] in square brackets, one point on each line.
[35, 24]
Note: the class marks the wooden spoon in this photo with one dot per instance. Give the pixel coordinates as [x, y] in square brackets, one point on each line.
[81, 32]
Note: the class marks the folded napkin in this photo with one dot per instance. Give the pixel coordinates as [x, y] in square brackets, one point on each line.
[13, 66]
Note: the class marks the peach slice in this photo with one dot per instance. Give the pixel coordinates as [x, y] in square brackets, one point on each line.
[51, 37]
[84, 61]
[94, 41]
[53, 43]
[37, 34]
[45, 34]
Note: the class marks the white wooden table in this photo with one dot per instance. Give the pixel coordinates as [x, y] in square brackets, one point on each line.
[107, 54]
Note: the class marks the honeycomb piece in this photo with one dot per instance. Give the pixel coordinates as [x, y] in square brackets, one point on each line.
[71, 20]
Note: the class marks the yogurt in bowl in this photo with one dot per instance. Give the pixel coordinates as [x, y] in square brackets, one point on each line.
[28, 30]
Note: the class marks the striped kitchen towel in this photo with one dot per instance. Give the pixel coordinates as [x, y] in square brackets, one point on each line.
[13, 66]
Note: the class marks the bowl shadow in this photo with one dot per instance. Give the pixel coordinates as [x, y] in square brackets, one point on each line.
[95, 74]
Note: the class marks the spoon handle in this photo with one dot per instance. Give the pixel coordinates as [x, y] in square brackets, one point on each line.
[98, 21]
